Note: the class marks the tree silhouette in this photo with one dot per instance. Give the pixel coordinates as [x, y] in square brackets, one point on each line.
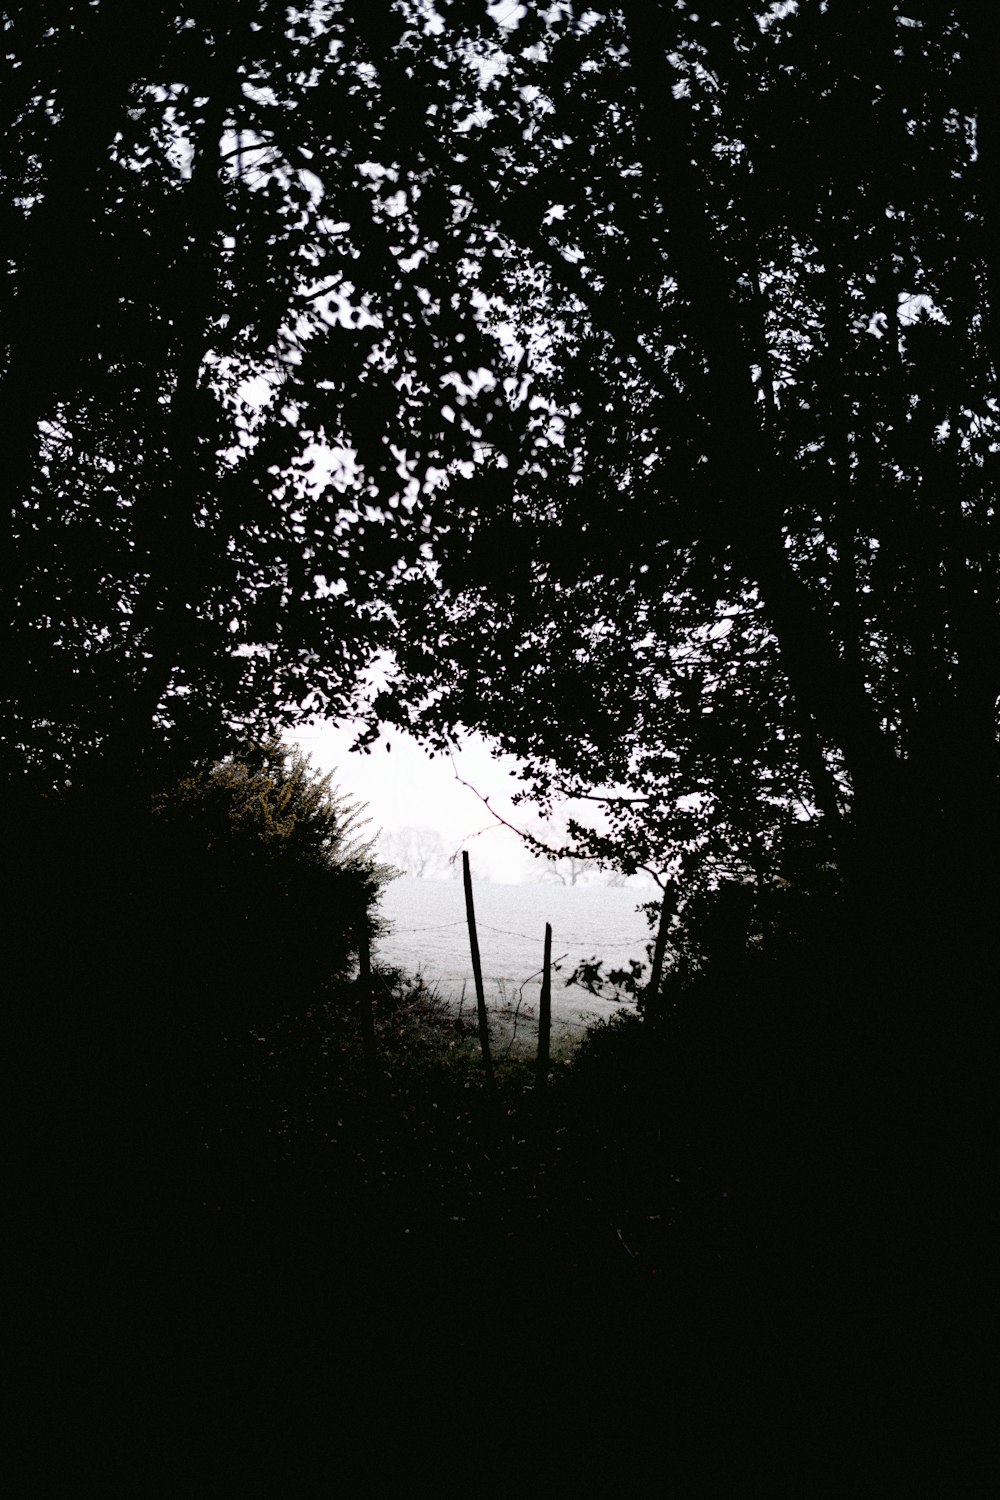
[736, 567]
[697, 430]
[418, 852]
[741, 564]
[231, 334]
[531, 352]
[620, 383]
[553, 846]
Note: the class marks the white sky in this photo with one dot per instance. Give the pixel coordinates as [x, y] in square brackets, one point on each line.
[404, 788]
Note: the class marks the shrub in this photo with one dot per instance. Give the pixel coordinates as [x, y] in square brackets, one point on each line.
[141, 934]
[266, 878]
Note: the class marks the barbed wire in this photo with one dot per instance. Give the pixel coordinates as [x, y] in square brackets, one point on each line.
[527, 937]
[508, 932]
[432, 927]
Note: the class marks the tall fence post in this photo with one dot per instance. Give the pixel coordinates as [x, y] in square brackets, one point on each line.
[545, 1014]
[652, 995]
[367, 1012]
[477, 974]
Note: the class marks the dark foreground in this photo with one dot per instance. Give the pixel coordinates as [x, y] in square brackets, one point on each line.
[243, 1275]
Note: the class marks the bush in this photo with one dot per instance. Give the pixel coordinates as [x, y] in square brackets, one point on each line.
[145, 937]
[267, 878]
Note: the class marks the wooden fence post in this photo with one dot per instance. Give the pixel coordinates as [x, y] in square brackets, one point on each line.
[367, 1012]
[477, 974]
[545, 1014]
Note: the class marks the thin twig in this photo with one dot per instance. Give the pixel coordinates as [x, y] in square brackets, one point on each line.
[529, 838]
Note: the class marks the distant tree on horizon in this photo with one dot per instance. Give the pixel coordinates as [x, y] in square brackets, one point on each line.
[415, 851]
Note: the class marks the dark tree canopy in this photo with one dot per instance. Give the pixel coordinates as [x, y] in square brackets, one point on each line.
[627, 376]
[232, 329]
[744, 555]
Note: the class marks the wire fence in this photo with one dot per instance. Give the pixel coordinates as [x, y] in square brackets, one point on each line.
[527, 937]
[587, 926]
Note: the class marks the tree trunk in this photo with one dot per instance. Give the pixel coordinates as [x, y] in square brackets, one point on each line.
[651, 1005]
